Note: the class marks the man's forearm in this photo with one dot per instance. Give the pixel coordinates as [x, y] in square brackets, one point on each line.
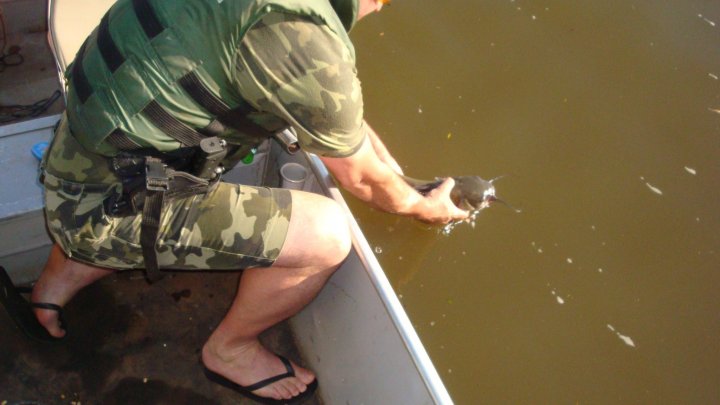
[387, 191]
[371, 179]
[381, 150]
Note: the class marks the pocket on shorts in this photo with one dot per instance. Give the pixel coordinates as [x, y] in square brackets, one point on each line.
[75, 210]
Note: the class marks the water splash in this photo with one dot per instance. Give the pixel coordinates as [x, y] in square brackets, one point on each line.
[447, 229]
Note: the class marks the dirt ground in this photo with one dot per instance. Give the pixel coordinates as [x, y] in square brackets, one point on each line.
[128, 343]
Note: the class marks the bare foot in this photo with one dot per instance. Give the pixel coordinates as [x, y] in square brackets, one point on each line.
[249, 363]
[60, 280]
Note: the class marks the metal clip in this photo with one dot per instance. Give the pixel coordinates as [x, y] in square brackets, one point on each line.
[156, 178]
[288, 140]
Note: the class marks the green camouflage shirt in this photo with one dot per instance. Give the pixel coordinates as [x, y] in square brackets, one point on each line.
[304, 74]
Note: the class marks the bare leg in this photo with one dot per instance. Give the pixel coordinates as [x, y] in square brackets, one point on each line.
[60, 280]
[318, 241]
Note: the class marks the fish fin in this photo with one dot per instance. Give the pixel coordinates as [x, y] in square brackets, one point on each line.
[505, 203]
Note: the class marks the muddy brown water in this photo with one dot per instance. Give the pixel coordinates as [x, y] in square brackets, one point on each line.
[605, 118]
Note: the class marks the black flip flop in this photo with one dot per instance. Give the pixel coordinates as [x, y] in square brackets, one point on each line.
[247, 390]
[21, 311]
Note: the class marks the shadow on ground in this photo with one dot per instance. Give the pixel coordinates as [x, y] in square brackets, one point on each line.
[128, 343]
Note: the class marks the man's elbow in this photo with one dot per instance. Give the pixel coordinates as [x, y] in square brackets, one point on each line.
[355, 183]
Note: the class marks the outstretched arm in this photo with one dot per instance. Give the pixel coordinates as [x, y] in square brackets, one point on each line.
[373, 179]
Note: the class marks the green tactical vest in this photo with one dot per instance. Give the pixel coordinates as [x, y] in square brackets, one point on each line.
[155, 74]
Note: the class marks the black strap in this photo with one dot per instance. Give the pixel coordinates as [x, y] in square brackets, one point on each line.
[232, 117]
[119, 140]
[80, 81]
[260, 384]
[202, 95]
[156, 184]
[109, 51]
[171, 126]
[163, 184]
[148, 19]
[237, 118]
[149, 229]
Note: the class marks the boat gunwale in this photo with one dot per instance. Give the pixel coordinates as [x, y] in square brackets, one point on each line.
[384, 289]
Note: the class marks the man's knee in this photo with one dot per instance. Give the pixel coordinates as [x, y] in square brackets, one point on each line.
[335, 232]
[319, 234]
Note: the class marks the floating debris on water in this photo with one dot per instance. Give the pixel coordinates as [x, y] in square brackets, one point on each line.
[626, 339]
[654, 189]
[600, 270]
[569, 260]
[713, 76]
[712, 23]
[715, 110]
[651, 187]
[560, 300]
[420, 111]
[378, 249]
[690, 170]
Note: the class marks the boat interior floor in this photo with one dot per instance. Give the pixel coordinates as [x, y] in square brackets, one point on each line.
[129, 343]
[31, 81]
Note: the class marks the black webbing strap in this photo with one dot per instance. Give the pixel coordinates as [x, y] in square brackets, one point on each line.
[231, 117]
[171, 126]
[80, 81]
[148, 19]
[202, 95]
[109, 51]
[237, 118]
[157, 183]
[119, 140]
[149, 229]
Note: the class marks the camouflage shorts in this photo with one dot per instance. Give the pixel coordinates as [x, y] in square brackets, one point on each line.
[232, 227]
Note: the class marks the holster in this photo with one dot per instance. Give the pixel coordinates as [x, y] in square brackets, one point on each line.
[148, 182]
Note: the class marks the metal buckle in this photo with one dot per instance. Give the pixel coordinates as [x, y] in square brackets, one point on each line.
[156, 178]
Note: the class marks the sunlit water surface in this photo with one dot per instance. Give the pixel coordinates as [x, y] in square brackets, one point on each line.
[604, 116]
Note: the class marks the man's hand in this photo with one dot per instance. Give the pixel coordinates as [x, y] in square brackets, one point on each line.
[441, 209]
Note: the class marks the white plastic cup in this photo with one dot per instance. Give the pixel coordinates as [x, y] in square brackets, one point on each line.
[293, 176]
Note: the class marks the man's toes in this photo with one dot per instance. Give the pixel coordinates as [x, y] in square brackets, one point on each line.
[288, 389]
[282, 392]
[305, 376]
[295, 388]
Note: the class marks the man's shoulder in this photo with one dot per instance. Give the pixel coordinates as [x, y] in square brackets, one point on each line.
[294, 32]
